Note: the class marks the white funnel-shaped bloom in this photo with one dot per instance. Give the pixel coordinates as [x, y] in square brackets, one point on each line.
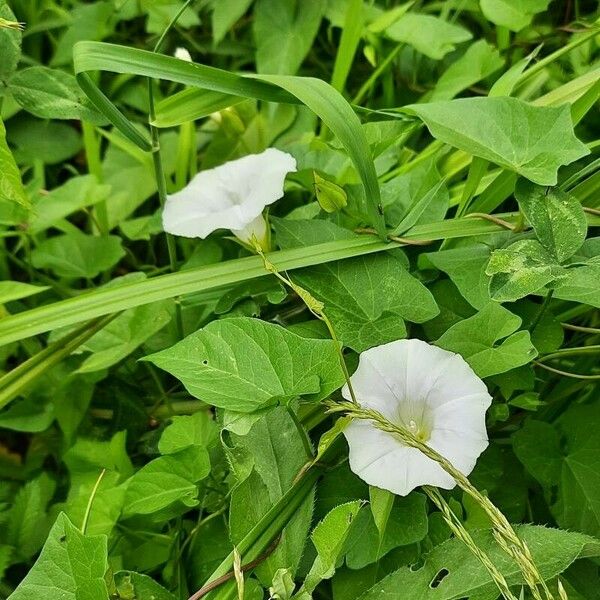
[431, 392]
[230, 196]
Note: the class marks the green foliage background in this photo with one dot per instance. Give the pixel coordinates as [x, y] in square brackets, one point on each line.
[161, 398]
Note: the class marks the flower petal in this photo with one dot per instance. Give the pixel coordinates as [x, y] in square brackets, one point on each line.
[229, 196]
[381, 460]
[401, 371]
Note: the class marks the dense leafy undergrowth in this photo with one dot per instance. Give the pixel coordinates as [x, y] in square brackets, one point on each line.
[171, 413]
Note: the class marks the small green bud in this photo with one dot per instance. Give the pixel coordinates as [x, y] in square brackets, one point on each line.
[330, 196]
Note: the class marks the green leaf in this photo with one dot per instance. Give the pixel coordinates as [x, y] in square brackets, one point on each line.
[184, 432]
[15, 290]
[108, 496]
[28, 415]
[432, 36]
[225, 14]
[466, 268]
[459, 574]
[368, 298]
[407, 524]
[77, 193]
[48, 141]
[51, 94]
[533, 141]
[566, 455]
[284, 31]
[209, 277]
[580, 285]
[537, 445]
[523, 268]
[10, 46]
[166, 481]
[556, 216]
[276, 448]
[244, 364]
[381, 503]
[28, 524]
[88, 22]
[478, 62]
[124, 334]
[337, 114]
[137, 586]
[329, 537]
[191, 104]
[71, 566]
[476, 340]
[318, 96]
[512, 14]
[417, 197]
[78, 254]
[11, 186]
[352, 30]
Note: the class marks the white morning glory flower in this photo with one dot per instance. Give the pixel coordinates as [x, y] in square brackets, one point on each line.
[231, 196]
[431, 392]
[183, 54]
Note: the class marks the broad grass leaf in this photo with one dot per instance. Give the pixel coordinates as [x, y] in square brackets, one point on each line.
[523, 268]
[243, 364]
[477, 340]
[71, 566]
[338, 116]
[432, 36]
[284, 31]
[328, 104]
[52, 94]
[533, 141]
[556, 216]
[15, 290]
[450, 570]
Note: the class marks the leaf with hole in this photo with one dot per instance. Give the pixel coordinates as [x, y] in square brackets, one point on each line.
[243, 364]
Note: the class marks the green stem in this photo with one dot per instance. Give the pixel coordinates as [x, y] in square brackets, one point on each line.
[92, 152]
[383, 65]
[161, 184]
[541, 311]
[301, 432]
